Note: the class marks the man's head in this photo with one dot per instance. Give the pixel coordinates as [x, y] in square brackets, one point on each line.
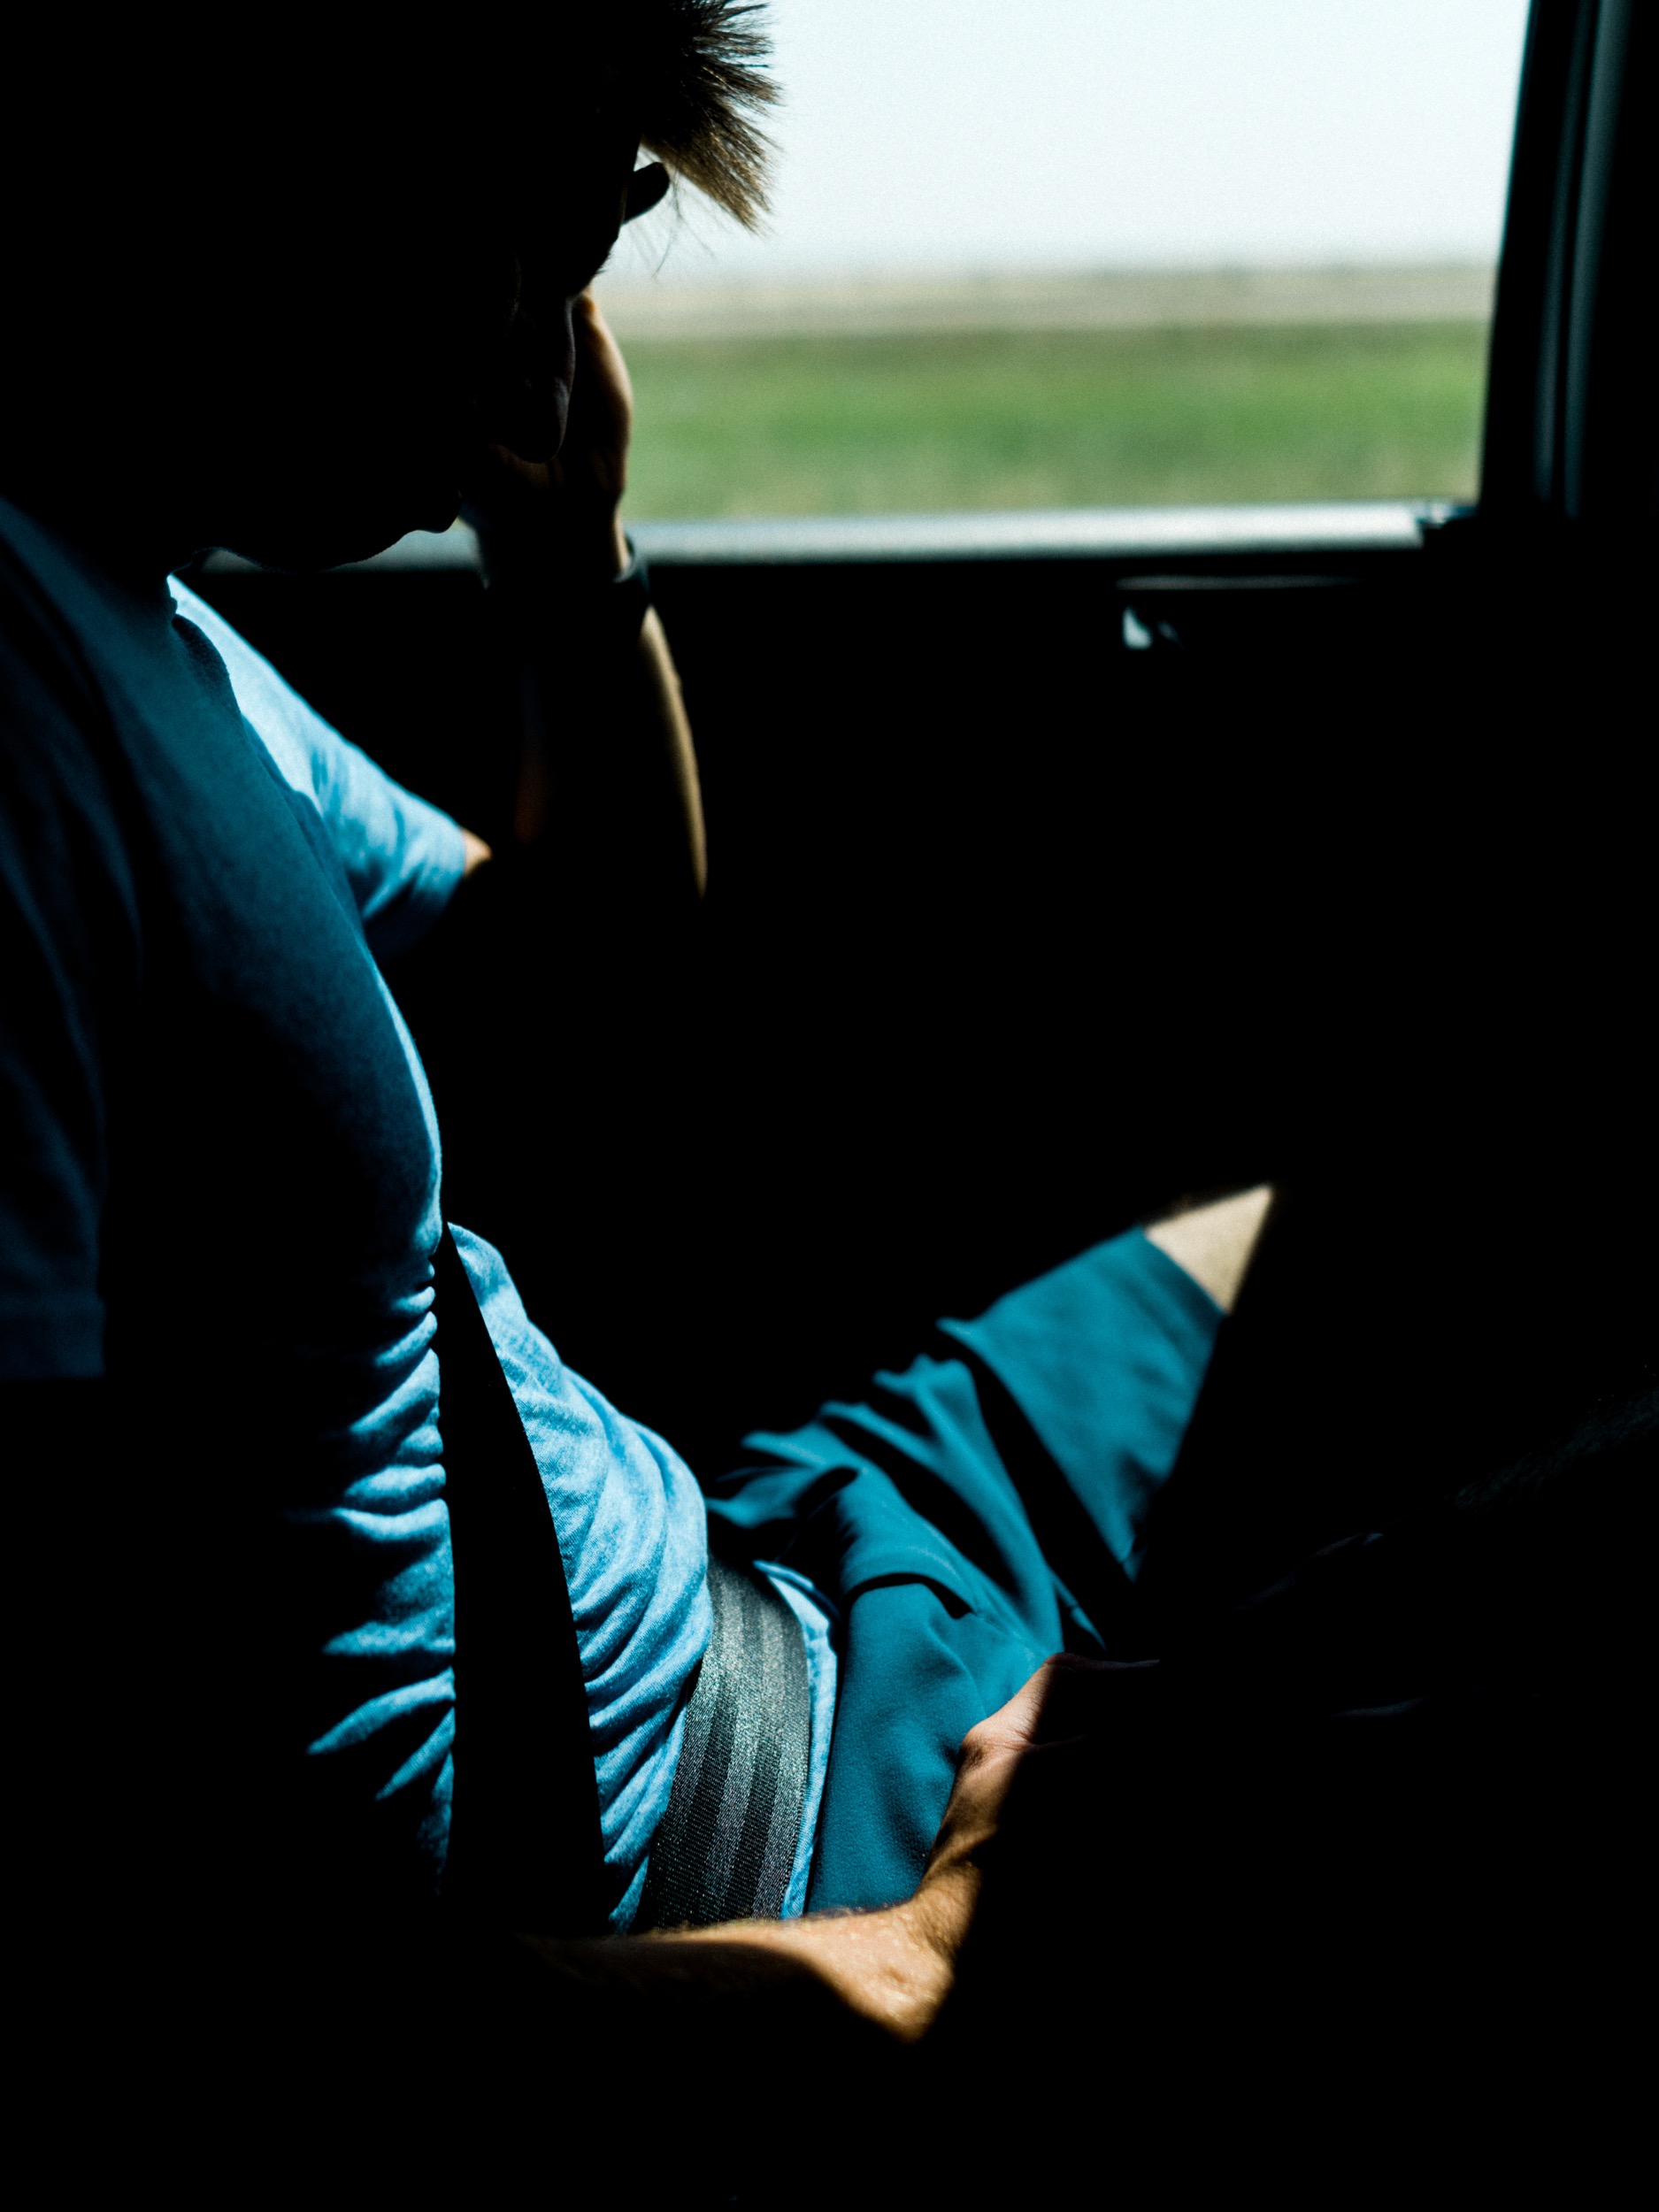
[283, 300]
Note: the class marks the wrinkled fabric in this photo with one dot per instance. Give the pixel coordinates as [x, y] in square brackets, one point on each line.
[634, 1543]
[220, 1191]
[920, 1510]
[401, 856]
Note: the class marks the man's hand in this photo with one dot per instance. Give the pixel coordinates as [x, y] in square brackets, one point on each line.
[1053, 1706]
[1066, 1699]
[896, 1967]
[564, 513]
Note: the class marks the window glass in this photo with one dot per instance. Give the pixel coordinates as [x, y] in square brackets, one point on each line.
[1061, 253]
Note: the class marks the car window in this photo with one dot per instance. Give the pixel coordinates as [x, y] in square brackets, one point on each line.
[1077, 253]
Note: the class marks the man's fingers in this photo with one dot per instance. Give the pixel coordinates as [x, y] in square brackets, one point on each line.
[1080, 1696]
[597, 348]
[1069, 1697]
[1019, 1723]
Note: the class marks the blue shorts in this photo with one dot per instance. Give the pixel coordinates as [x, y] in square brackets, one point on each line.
[975, 1514]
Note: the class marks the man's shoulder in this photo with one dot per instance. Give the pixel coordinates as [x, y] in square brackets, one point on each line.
[60, 820]
[69, 954]
[41, 652]
[115, 719]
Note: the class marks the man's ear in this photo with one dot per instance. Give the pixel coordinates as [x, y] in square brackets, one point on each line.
[646, 187]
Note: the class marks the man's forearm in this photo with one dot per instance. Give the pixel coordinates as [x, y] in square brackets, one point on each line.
[610, 771]
[893, 1968]
[609, 763]
[667, 732]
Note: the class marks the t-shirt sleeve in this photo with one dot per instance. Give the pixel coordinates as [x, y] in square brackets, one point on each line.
[69, 982]
[401, 856]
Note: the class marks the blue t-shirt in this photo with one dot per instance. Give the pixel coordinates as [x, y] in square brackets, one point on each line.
[221, 1190]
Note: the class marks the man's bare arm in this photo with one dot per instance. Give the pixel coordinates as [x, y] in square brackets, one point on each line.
[616, 758]
[894, 1967]
[662, 710]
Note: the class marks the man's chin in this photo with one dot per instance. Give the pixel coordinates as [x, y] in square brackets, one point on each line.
[336, 540]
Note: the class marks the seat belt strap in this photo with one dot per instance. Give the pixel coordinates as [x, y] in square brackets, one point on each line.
[526, 1849]
[724, 1848]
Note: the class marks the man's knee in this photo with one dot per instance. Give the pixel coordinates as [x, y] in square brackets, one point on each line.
[1216, 1243]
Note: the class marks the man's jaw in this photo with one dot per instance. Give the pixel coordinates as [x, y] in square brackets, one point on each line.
[322, 533]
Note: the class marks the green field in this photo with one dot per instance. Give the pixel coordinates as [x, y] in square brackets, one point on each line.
[782, 425]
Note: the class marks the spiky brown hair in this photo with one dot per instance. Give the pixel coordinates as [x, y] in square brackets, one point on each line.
[696, 69]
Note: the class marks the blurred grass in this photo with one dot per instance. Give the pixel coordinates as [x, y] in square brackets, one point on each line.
[1056, 418]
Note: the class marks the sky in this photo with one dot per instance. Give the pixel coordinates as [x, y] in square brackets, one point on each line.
[954, 134]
